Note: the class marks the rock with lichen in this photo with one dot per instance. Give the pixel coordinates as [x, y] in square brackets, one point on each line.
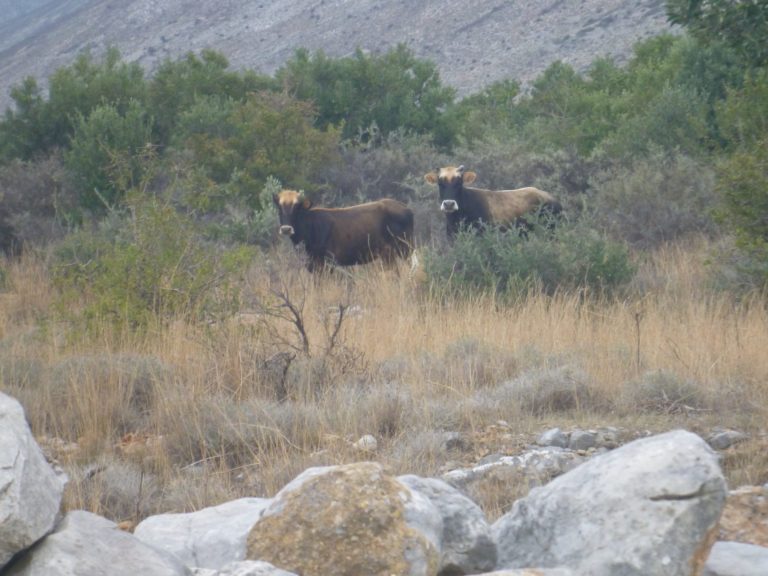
[345, 520]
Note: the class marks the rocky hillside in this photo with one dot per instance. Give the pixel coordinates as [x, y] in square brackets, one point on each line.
[473, 42]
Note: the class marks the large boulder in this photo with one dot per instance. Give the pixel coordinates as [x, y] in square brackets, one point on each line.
[465, 542]
[649, 507]
[208, 538]
[30, 490]
[347, 521]
[85, 544]
[737, 559]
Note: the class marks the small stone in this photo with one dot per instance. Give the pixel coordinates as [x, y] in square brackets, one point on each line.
[608, 437]
[582, 440]
[553, 437]
[724, 439]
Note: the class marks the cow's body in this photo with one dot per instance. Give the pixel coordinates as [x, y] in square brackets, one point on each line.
[347, 236]
[467, 207]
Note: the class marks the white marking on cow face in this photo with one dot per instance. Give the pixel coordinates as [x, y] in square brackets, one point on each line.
[449, 182]
[449, 206]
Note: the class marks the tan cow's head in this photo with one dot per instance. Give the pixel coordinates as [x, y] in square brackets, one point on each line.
[289, 204]
[450, 182]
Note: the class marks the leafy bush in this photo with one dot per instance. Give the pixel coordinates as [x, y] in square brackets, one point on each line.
[240, 223]
[268, 134]
[34, 198]
[386, 166]
[655, 200]
[743, 185]
[743, 114]
[153, 263]
[178, 85]
[508, 264]
[395, 91]
[107, 154]
[37, 125]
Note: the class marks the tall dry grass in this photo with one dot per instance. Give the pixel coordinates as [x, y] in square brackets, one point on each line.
[188, 414]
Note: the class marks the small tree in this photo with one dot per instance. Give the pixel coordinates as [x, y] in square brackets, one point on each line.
[107, 153]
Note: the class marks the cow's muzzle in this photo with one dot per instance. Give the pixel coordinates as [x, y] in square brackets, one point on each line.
[286, 230]
[449, 206]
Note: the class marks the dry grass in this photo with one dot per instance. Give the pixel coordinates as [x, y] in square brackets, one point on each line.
[185, 415]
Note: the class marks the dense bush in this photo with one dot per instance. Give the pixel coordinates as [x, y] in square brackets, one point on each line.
[394, 91]
[178, 85]
[35, 198]
[151, 263]
[269, 134]
[108, 152]
[743, 184]
[574, 257]
[654, 200]
[38, 125]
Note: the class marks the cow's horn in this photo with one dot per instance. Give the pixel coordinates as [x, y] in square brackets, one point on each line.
[460, 169]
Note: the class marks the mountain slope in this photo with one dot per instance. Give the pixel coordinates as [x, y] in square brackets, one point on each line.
[473, 42]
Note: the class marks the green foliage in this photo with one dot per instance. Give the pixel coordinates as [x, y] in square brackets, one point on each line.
[743, 185]
[151, 264]
[673, 120]
[743, 114]
[178, 85]
[393, 91]
[108, 153]
[22, 132]
[489, 112]
[743, 176]
[74, 91]
[663, 98]
[505, 263]
[269, 134]
[241, 223]
[742, 24]
[654, 200]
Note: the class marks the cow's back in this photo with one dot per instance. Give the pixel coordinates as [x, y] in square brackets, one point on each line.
[359, 234]
[506, 206]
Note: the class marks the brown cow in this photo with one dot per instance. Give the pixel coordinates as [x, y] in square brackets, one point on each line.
[346, 236]
[474, 207]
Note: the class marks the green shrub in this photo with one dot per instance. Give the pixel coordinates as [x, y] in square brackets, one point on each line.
[394, 90]
[510, 265]
[654, 200]
[108, 154]
[151, 264]
[37, 125]
[268, 134]
[743, 186]
[241, 223]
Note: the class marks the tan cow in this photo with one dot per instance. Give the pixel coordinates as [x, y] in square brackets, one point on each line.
[474, 207]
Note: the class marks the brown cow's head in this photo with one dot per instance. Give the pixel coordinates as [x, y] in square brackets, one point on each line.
[450, 182]
[289, 204]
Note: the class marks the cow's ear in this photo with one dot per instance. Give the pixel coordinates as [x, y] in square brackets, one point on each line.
[306, 203]
[469, 177]
[431, 178]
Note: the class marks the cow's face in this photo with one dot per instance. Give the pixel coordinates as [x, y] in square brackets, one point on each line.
[289, 203]
[450, 182]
